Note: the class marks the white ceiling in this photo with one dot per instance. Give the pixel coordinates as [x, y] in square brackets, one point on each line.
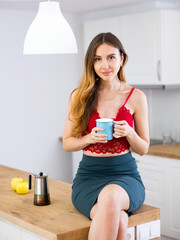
[76, 6]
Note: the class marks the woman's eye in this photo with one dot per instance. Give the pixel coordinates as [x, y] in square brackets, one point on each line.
[111, 57]
[97, 59]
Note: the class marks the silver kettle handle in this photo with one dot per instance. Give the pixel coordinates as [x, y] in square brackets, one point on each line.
[30, 178]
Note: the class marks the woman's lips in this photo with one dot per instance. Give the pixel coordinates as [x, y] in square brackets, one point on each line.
[106, 73]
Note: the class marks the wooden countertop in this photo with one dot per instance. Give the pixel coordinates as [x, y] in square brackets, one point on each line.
[168, 151]
[57, 221]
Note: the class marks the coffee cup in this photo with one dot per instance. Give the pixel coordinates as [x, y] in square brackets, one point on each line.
[107, 125]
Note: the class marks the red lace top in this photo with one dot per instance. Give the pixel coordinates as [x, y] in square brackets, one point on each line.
[116, 145]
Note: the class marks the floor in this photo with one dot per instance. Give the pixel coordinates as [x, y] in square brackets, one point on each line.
[167, 238]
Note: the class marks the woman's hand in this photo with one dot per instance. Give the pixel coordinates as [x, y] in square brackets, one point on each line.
[121, 129]
[95, 137]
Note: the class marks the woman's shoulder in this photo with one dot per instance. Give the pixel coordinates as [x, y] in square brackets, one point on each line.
[137, 98]
[139, 94]
[73, 93]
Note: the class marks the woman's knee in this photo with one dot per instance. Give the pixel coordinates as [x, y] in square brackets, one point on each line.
[93, 211]
[113, 197]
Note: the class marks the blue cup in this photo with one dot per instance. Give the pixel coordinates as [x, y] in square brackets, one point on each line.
[107, 125]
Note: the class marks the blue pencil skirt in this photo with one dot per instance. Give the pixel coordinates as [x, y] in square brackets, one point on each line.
[94, 173]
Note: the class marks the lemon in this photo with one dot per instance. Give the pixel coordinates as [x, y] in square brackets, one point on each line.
[22, 187]
[15, 181]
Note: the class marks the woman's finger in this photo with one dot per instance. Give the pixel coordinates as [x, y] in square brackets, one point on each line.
[116, 135]
[95, 129]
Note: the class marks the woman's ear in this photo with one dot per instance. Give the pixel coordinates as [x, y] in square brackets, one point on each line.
[122, 59]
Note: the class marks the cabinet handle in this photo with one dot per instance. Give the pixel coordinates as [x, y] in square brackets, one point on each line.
[158, 70]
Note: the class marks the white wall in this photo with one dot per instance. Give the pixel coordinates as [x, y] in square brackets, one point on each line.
[164, 112]
[34, 92]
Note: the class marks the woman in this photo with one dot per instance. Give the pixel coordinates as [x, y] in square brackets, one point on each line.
[107, 187]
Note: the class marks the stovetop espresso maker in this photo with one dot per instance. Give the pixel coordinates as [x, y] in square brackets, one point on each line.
[41, 193]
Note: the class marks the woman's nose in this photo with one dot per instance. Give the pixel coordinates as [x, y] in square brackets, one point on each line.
[105, 64]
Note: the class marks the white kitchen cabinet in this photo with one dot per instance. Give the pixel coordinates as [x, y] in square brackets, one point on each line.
[9, 231]
[150, 230]
[131, 233]
[161, 177]
[92, 28]
[151, 40]
[173, 197]
[142, 42]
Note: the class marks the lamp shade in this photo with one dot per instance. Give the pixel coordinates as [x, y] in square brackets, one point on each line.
[49, 33]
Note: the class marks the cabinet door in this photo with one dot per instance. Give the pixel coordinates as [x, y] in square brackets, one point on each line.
[171, 46]
[173, 198]
[92, 28]
[9, 231]
[152, 171]
[141, 37]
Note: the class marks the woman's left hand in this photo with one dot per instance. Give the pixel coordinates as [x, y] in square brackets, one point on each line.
[121, 129]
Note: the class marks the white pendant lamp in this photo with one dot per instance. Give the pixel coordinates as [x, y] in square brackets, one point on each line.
[49, 33]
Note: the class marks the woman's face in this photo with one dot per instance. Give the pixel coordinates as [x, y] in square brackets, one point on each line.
[107, 61]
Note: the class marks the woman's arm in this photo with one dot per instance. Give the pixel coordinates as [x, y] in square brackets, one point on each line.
[138, 137]
[70, 143]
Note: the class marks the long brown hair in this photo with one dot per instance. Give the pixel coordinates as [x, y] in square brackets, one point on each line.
[86, 95]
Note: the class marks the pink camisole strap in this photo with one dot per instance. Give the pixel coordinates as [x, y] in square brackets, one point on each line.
[132, 89]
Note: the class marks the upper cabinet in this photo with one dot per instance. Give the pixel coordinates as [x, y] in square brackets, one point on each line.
[142, 42]
[92, 28]
[151, 40]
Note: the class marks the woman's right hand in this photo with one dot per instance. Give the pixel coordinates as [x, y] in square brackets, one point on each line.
[95, 137]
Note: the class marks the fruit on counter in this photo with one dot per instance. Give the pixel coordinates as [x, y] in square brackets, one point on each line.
[22, 187]
[19, 185]
[15, 181]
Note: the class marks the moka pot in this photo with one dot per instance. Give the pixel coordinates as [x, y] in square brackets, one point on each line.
[41, 193]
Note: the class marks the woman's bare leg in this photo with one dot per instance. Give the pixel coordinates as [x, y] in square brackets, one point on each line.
[123, 225]
[106, 213]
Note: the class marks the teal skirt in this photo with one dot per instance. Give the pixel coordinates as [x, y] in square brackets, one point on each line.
[94, 173]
